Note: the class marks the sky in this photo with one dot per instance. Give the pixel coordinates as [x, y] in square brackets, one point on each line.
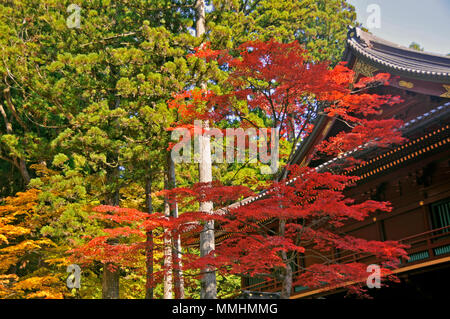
[426, 22]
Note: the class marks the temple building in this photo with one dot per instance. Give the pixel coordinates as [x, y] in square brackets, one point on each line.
[414, 177]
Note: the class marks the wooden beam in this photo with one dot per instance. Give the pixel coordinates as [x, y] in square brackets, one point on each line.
[397, 271]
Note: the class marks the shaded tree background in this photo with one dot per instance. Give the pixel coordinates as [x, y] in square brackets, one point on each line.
[84, 112]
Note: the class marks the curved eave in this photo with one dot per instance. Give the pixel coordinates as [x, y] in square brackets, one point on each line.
[397, 60]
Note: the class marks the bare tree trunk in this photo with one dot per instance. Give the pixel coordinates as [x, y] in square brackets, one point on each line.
[168, 263]
[110, 282]
[200, 24]
[111, 276]
[178, 271]
[149, 266]
[176, 251]
[19, 163]
[149, 242]
[286, 285]
[207, 240]
[24, 171]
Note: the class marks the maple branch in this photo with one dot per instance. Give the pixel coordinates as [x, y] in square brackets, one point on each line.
[294, 144]
[268, 98]
[345, 122]
[244, 118]
[299, 266]
[284, 110]
[301, 131]
[275, 117]
[370, 86]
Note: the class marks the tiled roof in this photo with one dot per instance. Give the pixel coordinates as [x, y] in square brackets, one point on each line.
[397, 59]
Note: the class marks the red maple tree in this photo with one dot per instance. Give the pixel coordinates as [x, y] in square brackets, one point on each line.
[301, 212]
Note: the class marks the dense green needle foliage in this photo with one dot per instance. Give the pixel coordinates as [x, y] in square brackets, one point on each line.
[84, 112]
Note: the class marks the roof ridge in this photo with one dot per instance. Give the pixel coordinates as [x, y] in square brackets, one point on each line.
[398, 58]
[371, 37]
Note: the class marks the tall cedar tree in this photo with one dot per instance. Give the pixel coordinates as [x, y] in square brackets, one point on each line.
[82, 100]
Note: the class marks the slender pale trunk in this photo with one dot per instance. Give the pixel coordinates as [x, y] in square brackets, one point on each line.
[168, 282]
[110, 278]
[178, 272]
[149, 242]
[207, 240]
[110, 282]
[168, 263]
[286, 285]
[176, 251]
